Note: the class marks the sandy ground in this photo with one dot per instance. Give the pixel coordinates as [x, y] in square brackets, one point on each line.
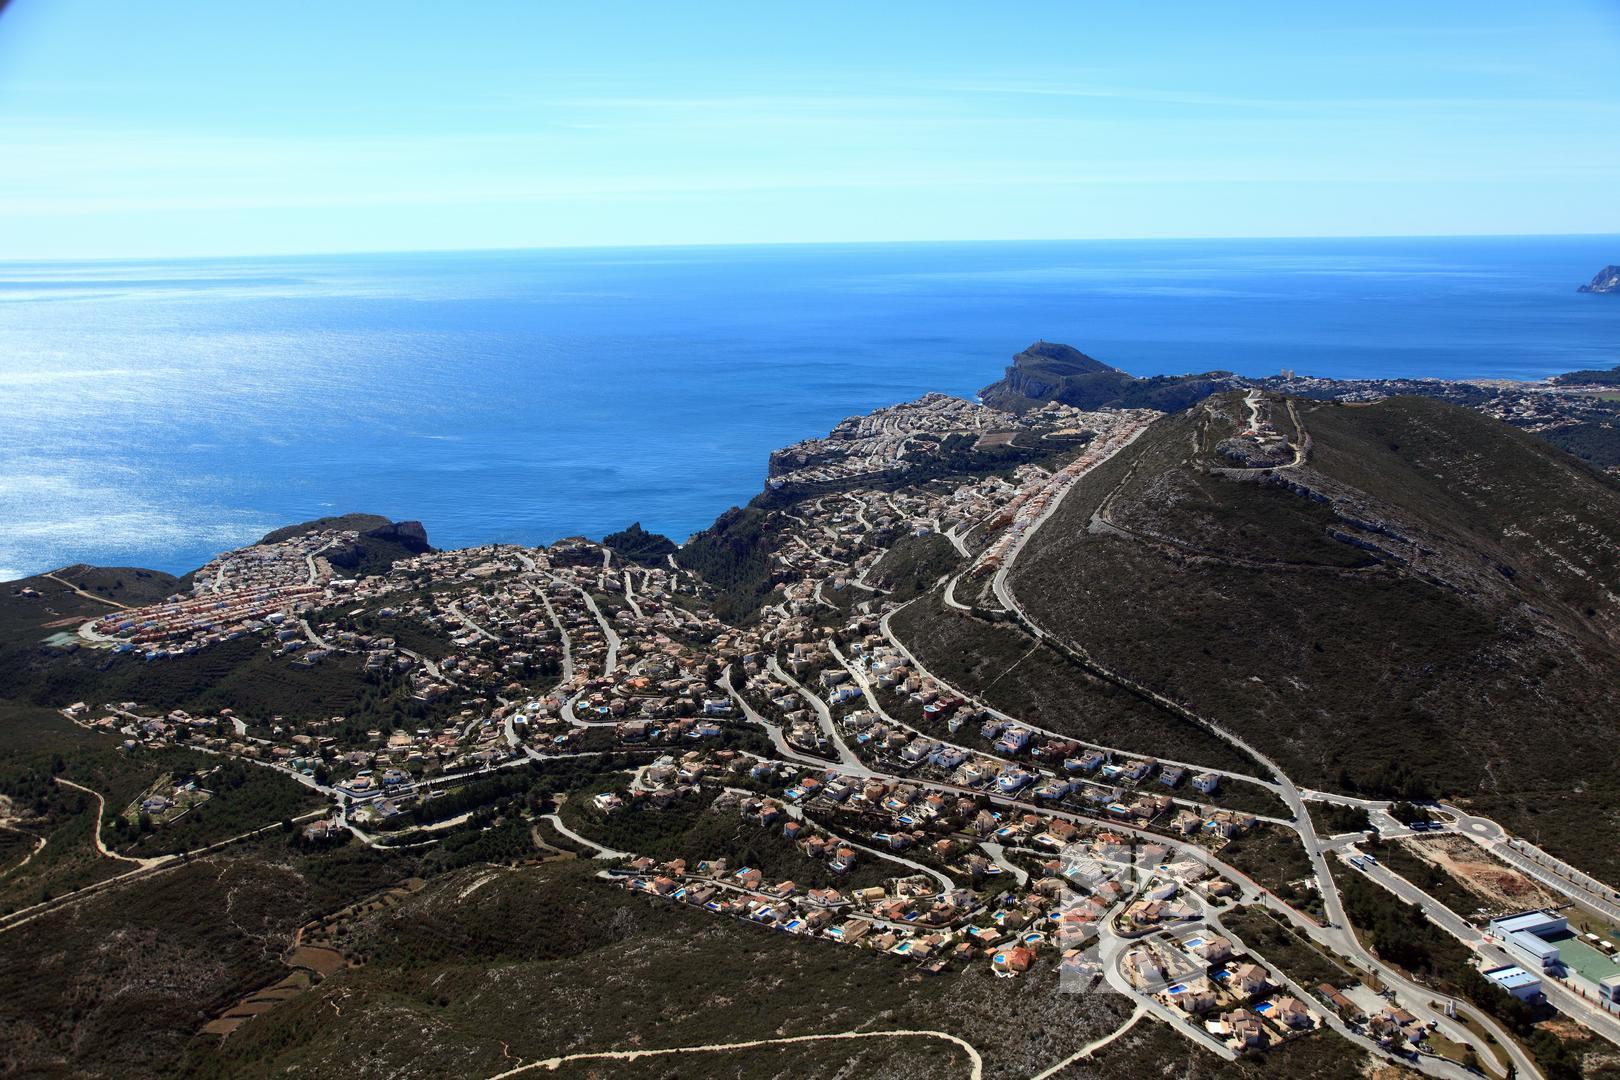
[1498, 884]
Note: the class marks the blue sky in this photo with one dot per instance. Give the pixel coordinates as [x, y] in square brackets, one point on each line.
[176, 128]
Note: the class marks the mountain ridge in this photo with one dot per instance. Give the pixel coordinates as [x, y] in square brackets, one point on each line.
[1049, 371]
[1432, 589]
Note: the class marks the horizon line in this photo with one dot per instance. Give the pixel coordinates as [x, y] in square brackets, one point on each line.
[725, 244]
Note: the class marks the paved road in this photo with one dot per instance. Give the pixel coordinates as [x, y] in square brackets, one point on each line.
[999, 582]
[309, 632]
[630, 596]
[1433, 1066]
[998, 855]
[1111, 949]
[1545, 868]
[886, 628]
[774, 732]
[1333, 933]
[466, 620]
[846, 757]
[601, 851]
[1571, 1004]
[562, 634]
[1578, 886]
[612, 662]
[432, 666]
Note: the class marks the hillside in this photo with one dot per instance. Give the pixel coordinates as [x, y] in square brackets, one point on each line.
[1591, 377]
[356, 522]
[602, 969]
[640, 546]
[1425, 606]
[380, 543]
[1047, 371]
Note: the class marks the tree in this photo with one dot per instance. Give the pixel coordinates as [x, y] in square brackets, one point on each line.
[1407, 812]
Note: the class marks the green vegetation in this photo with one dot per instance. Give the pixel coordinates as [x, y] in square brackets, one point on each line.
[1398, 858]
[1273, 856]
[128, 585]
[42, 747]
[242, 674]
[342, 522]
[381, 542]
[1594, 441]
[1152, 1049]
[1008, 670]
[1332, 819]
[877, 1059]
[1407, 812]
[1278, 942]
[695, 831]
[1400, 934]
[1466, 611]
[915, 564]
[1241, 795]
[1426, 598]
[640, 546]
[245, 797]
[733, 556]
[1047, 371]
[35, 609]
[119, 983]
[1589, 377]
[608, 969]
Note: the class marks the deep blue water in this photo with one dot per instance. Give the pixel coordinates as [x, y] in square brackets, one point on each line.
[155, 413]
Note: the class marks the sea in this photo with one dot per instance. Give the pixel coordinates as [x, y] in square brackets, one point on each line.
[155, 413]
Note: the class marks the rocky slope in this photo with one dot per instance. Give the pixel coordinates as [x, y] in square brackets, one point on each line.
[1427, 605]
[1047, 371]
[1606, 280]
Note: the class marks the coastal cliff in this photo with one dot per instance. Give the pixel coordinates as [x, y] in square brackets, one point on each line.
[1606, 280]
[1049, 371]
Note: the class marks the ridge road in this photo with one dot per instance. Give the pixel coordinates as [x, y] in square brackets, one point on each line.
[1335, 932]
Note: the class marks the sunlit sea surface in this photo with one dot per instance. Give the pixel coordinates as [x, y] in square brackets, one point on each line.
[155, 413]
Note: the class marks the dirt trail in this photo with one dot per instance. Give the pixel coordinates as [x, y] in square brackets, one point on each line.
[39, 846]
[551, 1064]
[101, 811]
[1090, 1048]
[86, 595]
